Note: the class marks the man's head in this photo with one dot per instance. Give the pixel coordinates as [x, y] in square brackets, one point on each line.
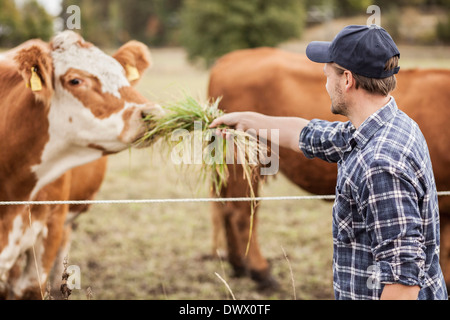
[359, 57]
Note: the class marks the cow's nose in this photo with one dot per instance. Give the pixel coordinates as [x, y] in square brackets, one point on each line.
[153, 111]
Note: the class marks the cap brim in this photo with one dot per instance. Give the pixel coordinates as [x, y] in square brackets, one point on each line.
[319, 51]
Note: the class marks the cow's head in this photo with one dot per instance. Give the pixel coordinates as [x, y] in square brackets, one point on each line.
[90, 95]
[87, 98]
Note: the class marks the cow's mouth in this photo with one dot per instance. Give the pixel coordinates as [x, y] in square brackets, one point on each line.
[145, 138]
[149, 123]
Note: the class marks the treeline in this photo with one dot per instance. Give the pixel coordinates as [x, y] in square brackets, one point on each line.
[206, 28]
[22, 22]
[113, 22]
[181, 22]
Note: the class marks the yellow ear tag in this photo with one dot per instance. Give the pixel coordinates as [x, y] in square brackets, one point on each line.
[132, 73]
[35, 81]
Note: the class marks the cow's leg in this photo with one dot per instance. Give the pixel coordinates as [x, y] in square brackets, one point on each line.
[58, 266]
[58, 237]
[30, 285]
[25, 284]
[21, 237]
[219, 238]
[236, 218]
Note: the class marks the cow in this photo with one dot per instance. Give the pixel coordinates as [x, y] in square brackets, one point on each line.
[280, 83]
[63, 104]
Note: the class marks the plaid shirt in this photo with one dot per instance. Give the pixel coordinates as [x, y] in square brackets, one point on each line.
[386, 215]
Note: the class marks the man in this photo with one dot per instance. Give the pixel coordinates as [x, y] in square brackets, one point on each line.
[385, 216]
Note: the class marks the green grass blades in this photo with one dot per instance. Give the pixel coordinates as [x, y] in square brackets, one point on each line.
[189, 120]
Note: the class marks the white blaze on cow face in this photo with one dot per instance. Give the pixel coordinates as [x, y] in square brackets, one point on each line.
[71, 53]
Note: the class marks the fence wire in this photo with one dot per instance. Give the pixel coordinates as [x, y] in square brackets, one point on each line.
[181, 200]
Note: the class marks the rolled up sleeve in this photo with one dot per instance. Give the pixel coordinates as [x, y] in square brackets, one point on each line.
[392, 217]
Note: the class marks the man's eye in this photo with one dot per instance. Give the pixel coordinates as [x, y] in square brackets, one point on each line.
[75, 82]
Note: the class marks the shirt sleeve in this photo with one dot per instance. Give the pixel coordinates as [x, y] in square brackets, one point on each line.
[325, 140]
[392, 216]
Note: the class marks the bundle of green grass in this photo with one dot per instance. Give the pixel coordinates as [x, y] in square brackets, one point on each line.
[191, 116]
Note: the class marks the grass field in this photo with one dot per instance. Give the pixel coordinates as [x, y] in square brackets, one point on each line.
[158, 251]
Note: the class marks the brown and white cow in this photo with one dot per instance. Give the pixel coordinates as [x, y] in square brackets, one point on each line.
[62, 104]
[280, 83]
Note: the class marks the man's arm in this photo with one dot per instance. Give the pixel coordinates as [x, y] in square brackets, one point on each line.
[398, 291]
[289, 127]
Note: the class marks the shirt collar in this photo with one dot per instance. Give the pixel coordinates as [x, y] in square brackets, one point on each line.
[374, 122]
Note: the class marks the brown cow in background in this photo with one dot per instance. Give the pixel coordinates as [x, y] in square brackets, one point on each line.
[278, 83]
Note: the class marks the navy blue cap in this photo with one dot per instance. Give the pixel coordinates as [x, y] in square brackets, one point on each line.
[361, 49]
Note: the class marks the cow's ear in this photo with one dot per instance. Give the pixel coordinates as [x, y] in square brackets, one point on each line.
[135, 58]
[35, 65]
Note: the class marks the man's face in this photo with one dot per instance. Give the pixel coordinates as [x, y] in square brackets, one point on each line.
[335, 90]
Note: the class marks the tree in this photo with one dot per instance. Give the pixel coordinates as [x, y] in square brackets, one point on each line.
[443, 30]
[152, 22]
[99, 20]
[113, 22]
[10, 21]
[215, 27]
[17, 24]
[37, 23]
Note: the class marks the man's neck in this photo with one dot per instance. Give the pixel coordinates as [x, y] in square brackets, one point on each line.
[364, 105]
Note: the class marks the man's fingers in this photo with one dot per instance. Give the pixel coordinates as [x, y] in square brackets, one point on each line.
[215, 123]
[228, 120]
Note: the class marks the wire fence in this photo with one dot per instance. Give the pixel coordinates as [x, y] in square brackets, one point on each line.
[180, 200]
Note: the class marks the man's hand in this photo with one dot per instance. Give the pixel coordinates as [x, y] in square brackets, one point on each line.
[289, 128]
[238, 120]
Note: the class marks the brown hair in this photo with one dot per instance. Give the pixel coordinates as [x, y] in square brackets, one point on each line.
[372, 85]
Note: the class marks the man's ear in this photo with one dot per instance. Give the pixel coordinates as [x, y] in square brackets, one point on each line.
[36, 67]
[349, 80]
[135, 58]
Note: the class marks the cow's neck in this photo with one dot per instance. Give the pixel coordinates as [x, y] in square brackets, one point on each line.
[24, 132]
[61, 153]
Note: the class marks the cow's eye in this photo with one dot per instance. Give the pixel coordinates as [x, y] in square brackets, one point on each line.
[75, 82]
